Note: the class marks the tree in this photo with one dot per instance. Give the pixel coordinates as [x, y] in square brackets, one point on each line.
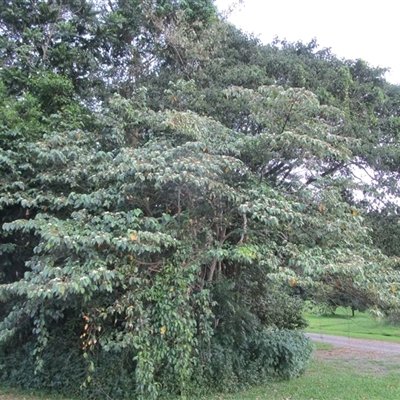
[155, 214]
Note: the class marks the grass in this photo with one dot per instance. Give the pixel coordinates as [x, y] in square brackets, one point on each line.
[362, 325]
[323, 346]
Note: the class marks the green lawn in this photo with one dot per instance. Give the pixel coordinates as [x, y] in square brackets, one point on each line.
[362, 325]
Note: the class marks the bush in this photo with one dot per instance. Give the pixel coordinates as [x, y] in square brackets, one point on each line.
[229, 364]
[65, 371]
[256, 358]
[281, 310]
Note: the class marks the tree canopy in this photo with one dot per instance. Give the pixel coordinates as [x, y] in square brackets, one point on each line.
[171, 188]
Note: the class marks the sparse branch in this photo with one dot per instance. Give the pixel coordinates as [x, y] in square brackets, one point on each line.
[244, 231]
[329, 171]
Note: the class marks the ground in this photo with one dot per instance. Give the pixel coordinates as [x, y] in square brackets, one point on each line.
[373, 348]
[373, 355]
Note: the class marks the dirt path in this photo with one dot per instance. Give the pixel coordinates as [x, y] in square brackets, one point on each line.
[362, 346]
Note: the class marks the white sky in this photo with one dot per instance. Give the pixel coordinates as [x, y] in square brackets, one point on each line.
[351, 28]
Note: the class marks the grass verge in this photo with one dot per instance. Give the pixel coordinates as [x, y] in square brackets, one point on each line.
[362, 325]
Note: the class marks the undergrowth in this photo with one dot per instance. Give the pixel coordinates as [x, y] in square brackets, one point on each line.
[231, 365]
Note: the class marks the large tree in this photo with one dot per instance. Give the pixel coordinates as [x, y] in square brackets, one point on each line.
[166, 182]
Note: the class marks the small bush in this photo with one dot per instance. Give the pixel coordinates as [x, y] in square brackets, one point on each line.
[257, 358]
[281, 310]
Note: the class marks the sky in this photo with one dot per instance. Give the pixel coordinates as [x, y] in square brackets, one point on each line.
[351, 28]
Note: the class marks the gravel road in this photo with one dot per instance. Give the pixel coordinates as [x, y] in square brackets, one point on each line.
[363, 346]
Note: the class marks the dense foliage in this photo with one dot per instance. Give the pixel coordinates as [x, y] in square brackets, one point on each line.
[170, 189]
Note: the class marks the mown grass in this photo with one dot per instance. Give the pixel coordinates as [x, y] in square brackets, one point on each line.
[362, 325]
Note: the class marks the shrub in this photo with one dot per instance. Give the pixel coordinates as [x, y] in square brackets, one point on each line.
[229, 364]
[281, 310]
[65, 371]
[256, 358]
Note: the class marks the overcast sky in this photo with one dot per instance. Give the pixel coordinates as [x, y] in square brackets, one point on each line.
[352, 28]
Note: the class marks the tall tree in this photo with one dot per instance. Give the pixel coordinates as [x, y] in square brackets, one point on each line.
[165, 184]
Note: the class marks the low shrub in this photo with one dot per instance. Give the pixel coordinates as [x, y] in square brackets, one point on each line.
[256, 358]
[65, 371]
[227, 365]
